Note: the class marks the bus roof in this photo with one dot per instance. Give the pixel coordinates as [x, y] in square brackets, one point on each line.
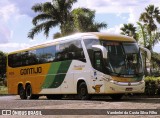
[112, 37]
[98, 35]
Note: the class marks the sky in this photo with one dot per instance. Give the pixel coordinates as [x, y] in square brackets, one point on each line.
[16, 19]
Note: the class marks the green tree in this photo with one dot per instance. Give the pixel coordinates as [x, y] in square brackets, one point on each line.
[129, 30]
[150, 17]
[57, 35]
[83, 19]
[3, 61]
[142, 35]
[58, 13]
[52, 14]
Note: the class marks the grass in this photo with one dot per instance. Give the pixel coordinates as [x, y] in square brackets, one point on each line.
[3, 90]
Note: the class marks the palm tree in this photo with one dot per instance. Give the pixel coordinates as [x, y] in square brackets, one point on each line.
[150, 17]
[83, 19]
[129, 30]
[142, 33]
[52, 14]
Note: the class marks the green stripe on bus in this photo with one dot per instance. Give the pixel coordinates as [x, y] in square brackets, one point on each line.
[56, 74]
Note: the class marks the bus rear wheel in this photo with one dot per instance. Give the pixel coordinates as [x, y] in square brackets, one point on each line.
[22, 93]
[29, 94]
[83, 92]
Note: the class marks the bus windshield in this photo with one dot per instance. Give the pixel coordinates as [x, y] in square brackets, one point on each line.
[124, 59]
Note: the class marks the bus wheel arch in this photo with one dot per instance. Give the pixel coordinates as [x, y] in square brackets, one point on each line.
[82, 90]
[21, 91]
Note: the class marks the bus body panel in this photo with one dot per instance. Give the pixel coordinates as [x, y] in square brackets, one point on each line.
[61, 77]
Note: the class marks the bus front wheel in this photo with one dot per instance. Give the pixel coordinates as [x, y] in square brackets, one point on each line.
[83, 92]
[29, 94]
[22, 93]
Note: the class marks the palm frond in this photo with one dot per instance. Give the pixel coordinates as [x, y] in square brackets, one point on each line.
[38, 7]
[41, 17]
[101, 25]
[48, 25]
[48, 7]
[35, 30]
[43, 26]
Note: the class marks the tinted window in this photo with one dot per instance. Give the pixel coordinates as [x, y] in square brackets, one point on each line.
[49, 54]
[67, 51]
[37, 56]
[130, 48]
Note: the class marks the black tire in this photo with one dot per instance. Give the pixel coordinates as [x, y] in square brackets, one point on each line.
[22, 93]
[29, 94]
[116, 96]
[54, 97]
[83, 92]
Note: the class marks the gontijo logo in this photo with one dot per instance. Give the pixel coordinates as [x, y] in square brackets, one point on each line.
[28, 71]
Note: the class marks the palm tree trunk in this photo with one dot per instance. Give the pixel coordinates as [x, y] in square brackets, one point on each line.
[145, 55]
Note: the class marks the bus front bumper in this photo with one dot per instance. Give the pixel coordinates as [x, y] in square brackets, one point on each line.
[114, 87]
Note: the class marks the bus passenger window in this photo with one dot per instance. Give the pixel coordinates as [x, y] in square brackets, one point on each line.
[49, 54]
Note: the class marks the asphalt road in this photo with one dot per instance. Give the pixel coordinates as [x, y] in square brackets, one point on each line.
[14, 102]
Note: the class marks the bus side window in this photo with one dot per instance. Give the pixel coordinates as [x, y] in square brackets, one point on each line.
[39, 55]
[49, 53]
[76, 49]
[32, 59]
[70, 51]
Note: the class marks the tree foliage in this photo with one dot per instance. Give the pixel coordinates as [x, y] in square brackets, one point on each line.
[3, 61]
[59, 13]
[150, 18]
[83, 19]
[129, 30]
[52, 14]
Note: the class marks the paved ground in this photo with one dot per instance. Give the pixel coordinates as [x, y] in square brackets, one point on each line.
[13, 102]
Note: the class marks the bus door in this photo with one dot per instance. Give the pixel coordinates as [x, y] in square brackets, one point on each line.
[98, 68]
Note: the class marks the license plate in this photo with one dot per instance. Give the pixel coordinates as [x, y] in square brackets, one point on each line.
[129, 89]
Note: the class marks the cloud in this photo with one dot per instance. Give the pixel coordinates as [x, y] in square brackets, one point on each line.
[14, 46]
[114, 30]
[109, 6]
[131, 7]
[5, 34]
[7, 11]
[24, 6]
[115, 6]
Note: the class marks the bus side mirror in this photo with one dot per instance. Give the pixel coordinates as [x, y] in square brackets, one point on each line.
[147, 51]
[102, 48]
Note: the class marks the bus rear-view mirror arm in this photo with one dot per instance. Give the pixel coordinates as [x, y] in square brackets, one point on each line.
[102, 48]
[147, 51]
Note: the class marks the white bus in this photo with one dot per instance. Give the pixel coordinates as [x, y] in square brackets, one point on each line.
[85, 64]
